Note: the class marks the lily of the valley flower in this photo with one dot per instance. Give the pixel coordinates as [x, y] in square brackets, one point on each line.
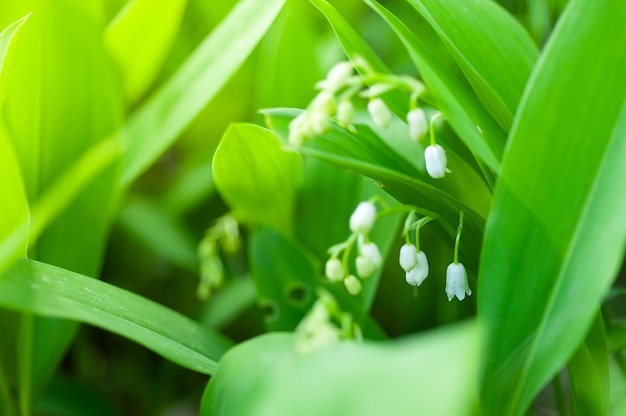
[334, 270]
[365, 267]
[436, 161]
[363, 217]
[345, 112]
[379, 112]
[418, 125]
[408, 257]
[456, 282]
[419, 273]
[370, 251]
[353, 284]
[337, 77]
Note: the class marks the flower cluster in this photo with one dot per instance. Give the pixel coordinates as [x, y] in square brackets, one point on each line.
[335, 96]
[368, 259]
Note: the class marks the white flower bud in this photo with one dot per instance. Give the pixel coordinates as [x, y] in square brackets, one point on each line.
[456, 282]
[300, 129]
[363, 217]
[379, 112]
[345, 112]
[334, 270]
[418, 125]
[320, 121]
[337, 76]
[436, 161]
[324, 102]
[419, 273]
[408, 257]
[365, 267]
[353, 285]
[370, 251]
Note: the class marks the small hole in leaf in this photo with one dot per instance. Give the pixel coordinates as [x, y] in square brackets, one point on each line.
[269, 309]
[298, 294]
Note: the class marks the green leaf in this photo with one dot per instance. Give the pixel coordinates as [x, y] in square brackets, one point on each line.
[256, 176]
[154, 29]
[42, 289]
[588, 372]
[473, 124]
[287, 277]
[431, 374]
[493, 49]
[363, 152]
[155, 126]
[556, 236]
[6, 39]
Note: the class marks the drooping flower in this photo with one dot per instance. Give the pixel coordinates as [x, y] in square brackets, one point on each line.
[363, 217]
[370, 251]
[300, 129]
[345, 112]
[365, 267]
[408, 257]
[418, 125]
[456, 282]
[379, 112]
[436, 161]
[419, 273]
[337, 77]
[334, 270]
[353, 284]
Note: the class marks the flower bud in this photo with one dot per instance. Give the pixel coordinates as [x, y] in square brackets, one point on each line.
[370, 251]
[334, 270]
[320, 121]
[363, 217]
[456, 282]
[345, 112]
[365, 267]
[324, 102]
[419, 273]
[379, 112]
[299, 129]
[353, 285]
[408, 257]
[436, 161]
[337, 76]
[418, 125]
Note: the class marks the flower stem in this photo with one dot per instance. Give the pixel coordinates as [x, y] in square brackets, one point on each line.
[458, 239]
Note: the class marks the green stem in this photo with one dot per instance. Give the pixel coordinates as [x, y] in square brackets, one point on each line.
[433, 120]
[25, 348]
[458, 239]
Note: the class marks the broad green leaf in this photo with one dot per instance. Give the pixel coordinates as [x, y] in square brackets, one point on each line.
[6, 38]
[256, 176]
[227, 303]
[493, 49]
[430, 374]
[557, 233]
[139, 38]
[474, 125]
[287, 277]
[588, 372]
[364, 153]
[42, 289]
[157, 124]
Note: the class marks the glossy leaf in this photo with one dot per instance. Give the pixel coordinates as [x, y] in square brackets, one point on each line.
[157, 124]
[493, 49]
[431, 374]
[363, 152]
[256, 176]
[139, 38]
[562, 184]
[6, 39]
[38, 288]
[473, 124]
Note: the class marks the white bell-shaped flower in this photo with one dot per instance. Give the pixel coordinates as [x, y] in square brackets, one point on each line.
[300, 129]
[419, 273]
[379, 112]
[408, 257]
[418, 125]
[337, 77]
[365, 267]
[353, 285]
[436, 161]
[320, 121]
[334, 270]
[370, 251]
[345, 112]
[456, 282]
[363, 217]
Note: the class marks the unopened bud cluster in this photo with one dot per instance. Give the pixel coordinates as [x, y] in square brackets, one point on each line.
[335, 96]
[368, 259]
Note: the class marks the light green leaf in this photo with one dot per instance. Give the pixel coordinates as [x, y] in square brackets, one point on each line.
[156, 125]
[473, 124]
[588, 372]
[256, 176]
[431, 374]
[38, 288]
[557, 233]
[6, 39]
[139, 38]
[493, 49]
